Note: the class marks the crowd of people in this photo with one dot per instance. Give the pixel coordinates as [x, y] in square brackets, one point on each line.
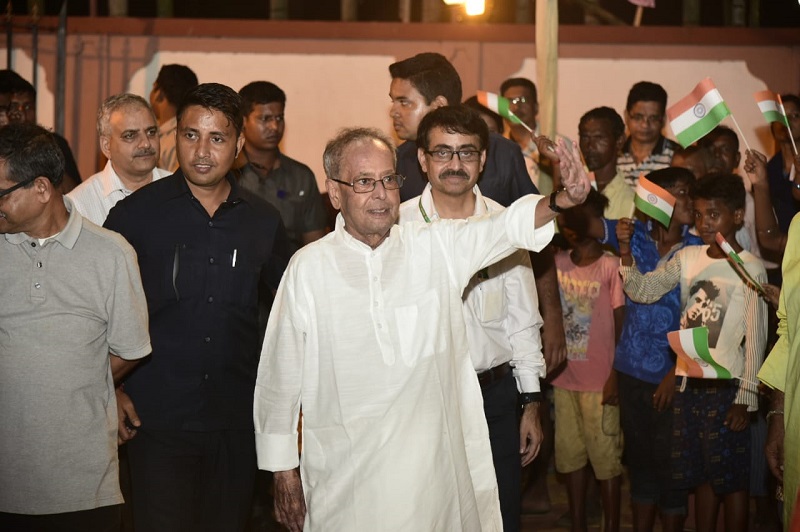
[481, 307]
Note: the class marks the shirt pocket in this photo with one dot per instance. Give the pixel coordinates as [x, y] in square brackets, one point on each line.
[417, 329]
[493, 305]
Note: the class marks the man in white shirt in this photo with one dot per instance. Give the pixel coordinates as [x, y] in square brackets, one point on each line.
[500, 303]
[129, 139]
[368, 335]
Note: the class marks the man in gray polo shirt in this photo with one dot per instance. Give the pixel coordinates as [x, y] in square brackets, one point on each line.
[73, 320]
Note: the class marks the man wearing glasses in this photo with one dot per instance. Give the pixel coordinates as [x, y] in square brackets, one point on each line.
[72, 323]
[521, 93]
[645, 149]
[500, 303]
[368, 335]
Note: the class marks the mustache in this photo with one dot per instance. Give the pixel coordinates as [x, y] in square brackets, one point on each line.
[454, 173]
[144, 153]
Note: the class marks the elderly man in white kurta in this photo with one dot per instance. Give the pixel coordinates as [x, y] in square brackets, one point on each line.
[367, 336]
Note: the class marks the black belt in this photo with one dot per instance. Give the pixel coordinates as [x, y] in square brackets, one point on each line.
[485, 378]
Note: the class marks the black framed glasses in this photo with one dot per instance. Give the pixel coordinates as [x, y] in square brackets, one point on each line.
[444, 155]
[21, 184]
[362, 185]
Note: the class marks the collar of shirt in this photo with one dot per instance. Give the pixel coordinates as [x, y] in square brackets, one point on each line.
[66, 237]
[168, 127]
[658, 148]
[111, 182]
[177, 187]
[428, 208]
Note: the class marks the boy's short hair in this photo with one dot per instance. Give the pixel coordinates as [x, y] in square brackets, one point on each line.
[727, 188]
[717, 132]
[577, 218]
[519, 82]
[609, 115]
[646, 91]
[671, 176]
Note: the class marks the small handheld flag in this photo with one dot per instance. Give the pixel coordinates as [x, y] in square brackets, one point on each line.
[783, 112]
[654, 201]
[500, 105]
[694, 357]
[738, 263]
[768, 104]
[694, 116]
[592, 180]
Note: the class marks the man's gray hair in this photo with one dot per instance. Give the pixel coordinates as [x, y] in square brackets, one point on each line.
[115, 103]
[334, 150]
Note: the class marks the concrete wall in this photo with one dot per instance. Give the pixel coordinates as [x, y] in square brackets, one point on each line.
[335, 74]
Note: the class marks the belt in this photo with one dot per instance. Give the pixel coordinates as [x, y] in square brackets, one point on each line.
[490, 376]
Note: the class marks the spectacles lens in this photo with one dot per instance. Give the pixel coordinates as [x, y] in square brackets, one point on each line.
[468, 156]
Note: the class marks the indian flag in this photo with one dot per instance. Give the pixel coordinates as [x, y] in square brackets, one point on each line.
[654, 201]
[738, 263]
[697, 114]
[592, 180]
[769, 104]
[498, 104]
[694, 356]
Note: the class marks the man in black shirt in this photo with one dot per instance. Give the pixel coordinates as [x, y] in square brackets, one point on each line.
[209, 253]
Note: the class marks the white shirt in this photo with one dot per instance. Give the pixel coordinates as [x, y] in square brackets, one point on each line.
[97, 195]
[166, 136]
[372, 344]
[502, 310]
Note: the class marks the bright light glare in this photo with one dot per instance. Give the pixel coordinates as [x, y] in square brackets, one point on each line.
[454, 2]
[477, 7]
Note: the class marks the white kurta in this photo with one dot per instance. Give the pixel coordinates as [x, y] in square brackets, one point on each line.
[372, 344]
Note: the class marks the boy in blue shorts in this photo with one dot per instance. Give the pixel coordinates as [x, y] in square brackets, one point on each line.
[710, 446]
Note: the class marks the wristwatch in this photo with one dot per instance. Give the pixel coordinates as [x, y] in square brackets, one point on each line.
[553, 205]
[530, 397]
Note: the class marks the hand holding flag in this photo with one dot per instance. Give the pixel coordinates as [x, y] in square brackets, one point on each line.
[738, 264]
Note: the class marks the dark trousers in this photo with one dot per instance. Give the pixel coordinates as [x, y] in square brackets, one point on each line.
[103, 519]
[500, 407]
[192, 481]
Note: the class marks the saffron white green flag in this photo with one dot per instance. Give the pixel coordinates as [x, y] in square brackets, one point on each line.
[694, 116]
[770, 107]
[738, 263]
[498, 104]
[694, 357]
[654, 201]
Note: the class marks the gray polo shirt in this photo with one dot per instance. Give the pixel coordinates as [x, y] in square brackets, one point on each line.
[64, 305]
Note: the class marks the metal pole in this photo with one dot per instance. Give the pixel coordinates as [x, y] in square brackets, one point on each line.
[61, 68]
[349, 10]
[404, 10]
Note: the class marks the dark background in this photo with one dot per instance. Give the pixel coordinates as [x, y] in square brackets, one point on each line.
[772, 13]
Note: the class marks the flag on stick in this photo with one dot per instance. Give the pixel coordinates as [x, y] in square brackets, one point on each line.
[768, 103]
[654, 201]
[694, 356]
[500, 105]
[783, 112]
[694, 116]
[738, 263]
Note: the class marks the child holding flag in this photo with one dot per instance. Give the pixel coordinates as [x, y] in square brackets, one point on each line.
[644, 362]
[585, 395]
[710, 448]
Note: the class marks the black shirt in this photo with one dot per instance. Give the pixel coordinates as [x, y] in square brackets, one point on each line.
[504, 179]
[202, 276]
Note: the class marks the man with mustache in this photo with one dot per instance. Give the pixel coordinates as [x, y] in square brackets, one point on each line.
[210, 253]
[288, 185]
[500, 302]
[129, 139]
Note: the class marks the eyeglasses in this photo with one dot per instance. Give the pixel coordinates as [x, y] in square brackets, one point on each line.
[518, 100]
[652, 119]
[366, 184]
[6, 192]
[444, 155]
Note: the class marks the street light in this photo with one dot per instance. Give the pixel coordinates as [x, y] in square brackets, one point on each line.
[471, 7]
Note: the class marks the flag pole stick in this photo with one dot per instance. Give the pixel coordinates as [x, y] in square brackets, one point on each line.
[637, 19]
[740, 132]
[783, 112]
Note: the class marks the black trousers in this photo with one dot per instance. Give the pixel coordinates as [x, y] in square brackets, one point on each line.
[192, 481]
[502, 416]
[103, 519]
